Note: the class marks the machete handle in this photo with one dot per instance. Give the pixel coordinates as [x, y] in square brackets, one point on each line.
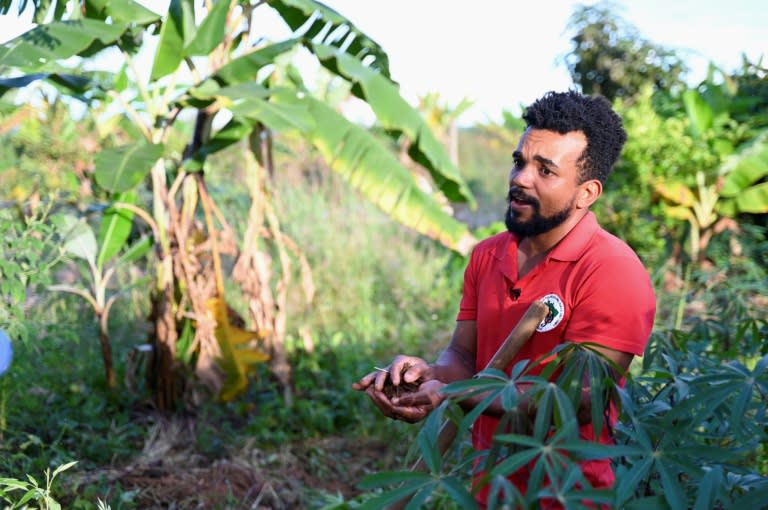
[520, 334]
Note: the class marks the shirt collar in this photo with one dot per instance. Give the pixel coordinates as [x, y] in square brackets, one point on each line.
[570, 247]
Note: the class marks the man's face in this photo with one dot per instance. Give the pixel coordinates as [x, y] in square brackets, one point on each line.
[544, 182]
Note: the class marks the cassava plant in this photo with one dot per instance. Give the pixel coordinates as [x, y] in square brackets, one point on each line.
[689, 433]
[211, 64]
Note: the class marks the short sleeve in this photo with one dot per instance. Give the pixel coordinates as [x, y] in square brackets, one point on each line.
[614, 306]
[468, 305]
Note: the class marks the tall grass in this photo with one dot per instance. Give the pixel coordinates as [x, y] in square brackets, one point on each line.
[376, 281]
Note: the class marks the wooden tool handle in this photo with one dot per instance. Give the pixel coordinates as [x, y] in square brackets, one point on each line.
[523, 330]
[520, 334]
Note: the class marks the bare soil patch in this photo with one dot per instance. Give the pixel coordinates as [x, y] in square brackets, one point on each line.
[168, 475]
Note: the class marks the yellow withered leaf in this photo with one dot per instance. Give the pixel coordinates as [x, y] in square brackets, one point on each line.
[237, 357]
[679, 212]
[675, 191]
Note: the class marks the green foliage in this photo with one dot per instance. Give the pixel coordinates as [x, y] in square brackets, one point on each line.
[610, 58]
[689, 421]
[61, 372]
[44, 152]
[31, 492]
[679, 174]
[393, 300]
[751, 84]
[231, 83]
[121, 169]
[28, 253]
[183, 36]
[692, 432]
[745, 184]
[655, 145]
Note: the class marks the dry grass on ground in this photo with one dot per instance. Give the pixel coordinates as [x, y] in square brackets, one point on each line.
[169, 474]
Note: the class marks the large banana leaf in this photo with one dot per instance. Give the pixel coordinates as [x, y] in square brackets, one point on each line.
[394, 113]
[121, 11]
[122, 168]
[330, 28]
[752, 200]
[392, 110]
[58, 40]
[746, 167]
[177, 30]
[245, 68]
[72, 83]
[210, 33]
[349, 53]
[744, 184]
[700, 114]
[353, 152]
[79, 239]
[372, 169]
[675, 191]
[181, 37]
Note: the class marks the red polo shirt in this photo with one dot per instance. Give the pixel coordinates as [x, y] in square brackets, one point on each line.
[601, 293]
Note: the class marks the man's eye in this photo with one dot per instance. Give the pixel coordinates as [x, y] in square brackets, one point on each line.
[545, 171]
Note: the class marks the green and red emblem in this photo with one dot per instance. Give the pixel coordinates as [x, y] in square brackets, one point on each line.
[555, 315]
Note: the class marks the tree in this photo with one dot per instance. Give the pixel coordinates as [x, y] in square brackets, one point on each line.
[233, 80]
[611, 58]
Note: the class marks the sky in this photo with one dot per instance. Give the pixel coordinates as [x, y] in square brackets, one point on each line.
[501, 54]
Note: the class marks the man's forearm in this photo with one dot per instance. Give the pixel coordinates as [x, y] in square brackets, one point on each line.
[453, 365]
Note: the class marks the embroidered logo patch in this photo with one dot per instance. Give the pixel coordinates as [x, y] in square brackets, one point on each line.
[555, 315]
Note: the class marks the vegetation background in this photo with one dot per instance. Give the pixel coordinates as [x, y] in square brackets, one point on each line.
[148, 374]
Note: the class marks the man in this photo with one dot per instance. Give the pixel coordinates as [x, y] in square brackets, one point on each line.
[554, 250]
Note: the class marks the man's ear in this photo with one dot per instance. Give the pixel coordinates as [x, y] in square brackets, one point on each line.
[589, 191]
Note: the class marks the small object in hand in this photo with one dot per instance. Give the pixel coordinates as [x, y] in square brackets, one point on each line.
[392, 391]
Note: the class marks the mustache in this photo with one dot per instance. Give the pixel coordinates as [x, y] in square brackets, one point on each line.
[517, 195]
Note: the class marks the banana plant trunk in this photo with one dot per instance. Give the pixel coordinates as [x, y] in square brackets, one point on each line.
[163, 371]
[106, 349]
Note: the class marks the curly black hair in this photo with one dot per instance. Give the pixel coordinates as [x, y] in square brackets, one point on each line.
[564, 112]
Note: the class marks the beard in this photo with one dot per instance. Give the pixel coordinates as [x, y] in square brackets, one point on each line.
[538, 224]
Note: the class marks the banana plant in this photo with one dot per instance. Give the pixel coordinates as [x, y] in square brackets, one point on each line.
[739, 180]
[733, 187]
[211, 63]
[696, 206]
[739, 187]
[744, 188]
[99, 256]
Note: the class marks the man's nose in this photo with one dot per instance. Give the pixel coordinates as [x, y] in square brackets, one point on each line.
[521, 176]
